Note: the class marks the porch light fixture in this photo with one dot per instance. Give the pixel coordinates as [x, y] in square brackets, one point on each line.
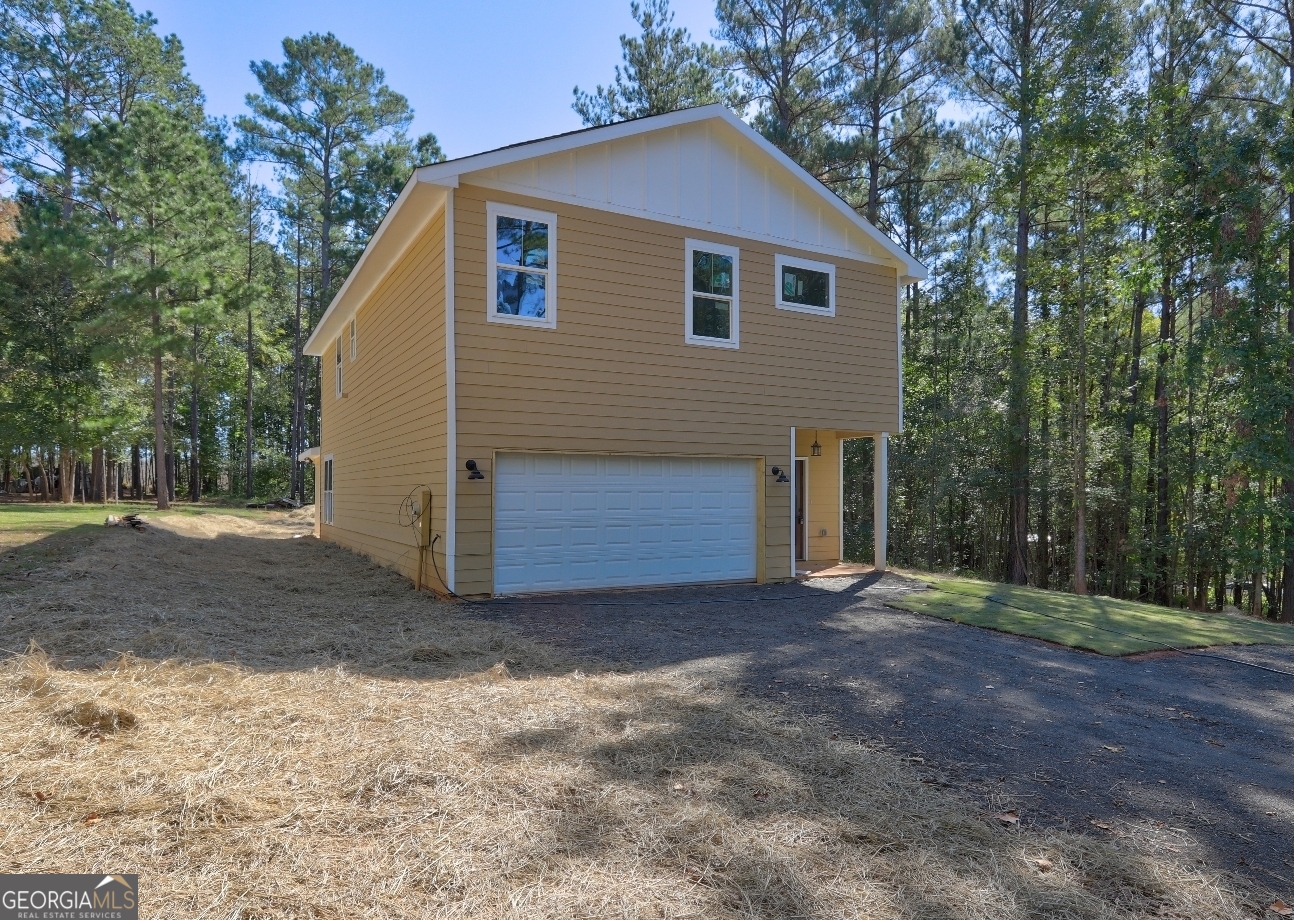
[473, 472]
[780, 474]
[816, 448]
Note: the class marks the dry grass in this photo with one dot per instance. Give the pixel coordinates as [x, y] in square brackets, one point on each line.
[275, 729]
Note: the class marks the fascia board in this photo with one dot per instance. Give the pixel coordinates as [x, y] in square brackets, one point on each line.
[399, 230]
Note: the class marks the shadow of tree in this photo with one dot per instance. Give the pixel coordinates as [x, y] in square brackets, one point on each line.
[769, 817]
[256, 599]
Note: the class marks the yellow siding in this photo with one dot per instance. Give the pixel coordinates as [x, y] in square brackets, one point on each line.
[617, 376]
[823, 494]
[387, 433]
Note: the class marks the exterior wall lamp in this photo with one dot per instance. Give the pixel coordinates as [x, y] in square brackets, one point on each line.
[780, 474]
[473, 472]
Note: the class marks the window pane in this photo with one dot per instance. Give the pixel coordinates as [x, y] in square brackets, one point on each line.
[805, 286]
[711, 318]
[522, 242]
[711, 273]
[522, 294]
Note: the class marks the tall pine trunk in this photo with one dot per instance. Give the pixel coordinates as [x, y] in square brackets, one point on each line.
[159, 416]
[195, 461]
[1287, 570]
[1129, 435]
[1163, 586]
[1018, 406]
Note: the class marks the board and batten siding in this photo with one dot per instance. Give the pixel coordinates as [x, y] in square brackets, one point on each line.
[616, 376]
[387, 432]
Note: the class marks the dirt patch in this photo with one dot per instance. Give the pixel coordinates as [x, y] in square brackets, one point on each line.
[313, 738]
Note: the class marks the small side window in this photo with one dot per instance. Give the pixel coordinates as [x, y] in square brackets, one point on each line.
[338, 364]
[354, 344]
[712, 309]
[805, 286]
[326, 510]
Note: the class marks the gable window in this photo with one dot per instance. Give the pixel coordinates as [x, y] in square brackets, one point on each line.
[354, 345]
[326, 510]
[712, 285]
[522, 266]
[805, 286]
[338, 365]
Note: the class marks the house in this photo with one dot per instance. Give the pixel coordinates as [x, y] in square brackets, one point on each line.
[624, 356]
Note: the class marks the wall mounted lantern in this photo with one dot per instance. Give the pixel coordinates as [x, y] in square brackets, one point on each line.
[473, 472]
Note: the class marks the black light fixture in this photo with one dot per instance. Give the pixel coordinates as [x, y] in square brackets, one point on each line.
[473, 472]
[816, 448]
[780, 474]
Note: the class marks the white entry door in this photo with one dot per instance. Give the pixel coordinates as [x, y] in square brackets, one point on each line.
[565, 521]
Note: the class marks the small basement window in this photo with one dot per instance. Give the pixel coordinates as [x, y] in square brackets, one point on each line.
[326, 510]
[354, 344]
[522, 267]
[712, 287]
[338, 366]
[806, 286]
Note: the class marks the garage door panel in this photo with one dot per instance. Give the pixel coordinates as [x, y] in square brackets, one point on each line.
[567, 521]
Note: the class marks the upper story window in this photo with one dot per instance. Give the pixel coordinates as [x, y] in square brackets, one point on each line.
[354, 344]
[805, 285]
[338, 366]
[521, 247]
[713, 312]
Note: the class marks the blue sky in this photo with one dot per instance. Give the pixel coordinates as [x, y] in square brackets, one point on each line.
[478, 74]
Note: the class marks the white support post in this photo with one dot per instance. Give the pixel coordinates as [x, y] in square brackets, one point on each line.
[881, 497]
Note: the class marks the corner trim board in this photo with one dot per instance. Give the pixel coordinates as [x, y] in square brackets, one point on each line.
[451, 404]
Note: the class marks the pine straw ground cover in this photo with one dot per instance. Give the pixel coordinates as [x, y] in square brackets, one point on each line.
[265, 727]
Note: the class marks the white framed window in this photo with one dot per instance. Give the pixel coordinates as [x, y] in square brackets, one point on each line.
[711, 295]
[805, 286]
[326, 509]
[521, 266]
[354, 344]
[338, 366]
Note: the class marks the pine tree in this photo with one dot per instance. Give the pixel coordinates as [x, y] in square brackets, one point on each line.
[663, 72]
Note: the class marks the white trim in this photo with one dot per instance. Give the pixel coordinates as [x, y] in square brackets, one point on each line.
[702, 226]
[734, 316]
[898, 335]
[781, 261]
[792, 477]
[881, 499]
[337, 370]
[354, 345]
[804, 525]
[451, 398]
[440, 172]
[309, 455]
[493, 211]
[840, 500]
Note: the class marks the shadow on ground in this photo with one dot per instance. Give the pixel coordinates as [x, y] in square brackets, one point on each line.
[1189, 755]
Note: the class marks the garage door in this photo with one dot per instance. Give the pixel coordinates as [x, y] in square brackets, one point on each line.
[565, 521]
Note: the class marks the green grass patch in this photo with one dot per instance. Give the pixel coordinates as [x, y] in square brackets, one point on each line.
[1097, 624]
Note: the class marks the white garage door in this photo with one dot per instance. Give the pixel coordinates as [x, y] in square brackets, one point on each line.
[564, 521]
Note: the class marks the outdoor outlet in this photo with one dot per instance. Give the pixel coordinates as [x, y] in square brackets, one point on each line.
[822, 532]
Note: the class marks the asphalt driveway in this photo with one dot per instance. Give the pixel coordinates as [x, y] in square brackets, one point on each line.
[1170, 751]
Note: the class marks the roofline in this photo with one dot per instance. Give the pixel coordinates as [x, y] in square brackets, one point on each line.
[446, 174]
[559, 143]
